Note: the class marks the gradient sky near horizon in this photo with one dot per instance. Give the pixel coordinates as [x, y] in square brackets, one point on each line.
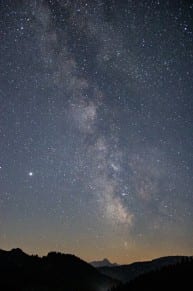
[96, 127]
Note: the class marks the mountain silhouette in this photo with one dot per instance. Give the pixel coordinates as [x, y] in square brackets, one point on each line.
[65, 272]
[103, 263]
[172, 277]
[126, 273]
[55, 272]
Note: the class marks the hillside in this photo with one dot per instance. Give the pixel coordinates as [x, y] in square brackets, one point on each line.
[173, 277]
[126, 273]
[56, 272]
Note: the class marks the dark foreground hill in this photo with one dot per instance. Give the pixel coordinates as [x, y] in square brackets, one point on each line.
[56, 272]
[126, 273]
[173, 277]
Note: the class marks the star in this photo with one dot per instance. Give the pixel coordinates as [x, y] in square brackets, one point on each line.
[115, 168]
[30, 174]
[124, 194]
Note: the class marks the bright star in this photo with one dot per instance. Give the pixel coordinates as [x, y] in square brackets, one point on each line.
[30, 174]
[124, 194]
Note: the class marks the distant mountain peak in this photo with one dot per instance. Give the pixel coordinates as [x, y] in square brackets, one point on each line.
[103, 263]
[105, 260]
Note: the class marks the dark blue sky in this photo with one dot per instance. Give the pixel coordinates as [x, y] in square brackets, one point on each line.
[96, 127]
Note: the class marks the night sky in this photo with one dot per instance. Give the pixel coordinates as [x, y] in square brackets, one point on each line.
[96, 127]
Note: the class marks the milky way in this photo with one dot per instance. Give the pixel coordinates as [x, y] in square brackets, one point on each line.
[96, 127]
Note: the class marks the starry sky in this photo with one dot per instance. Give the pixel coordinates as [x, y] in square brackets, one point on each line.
[96, 127]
